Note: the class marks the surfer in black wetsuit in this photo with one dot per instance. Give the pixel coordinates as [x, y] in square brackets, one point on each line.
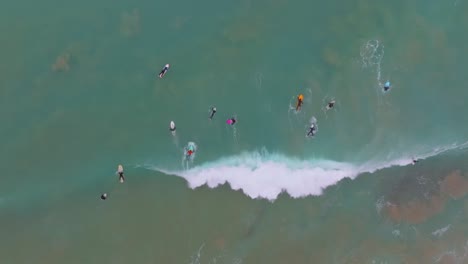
[212, 112]
[103, 196]
[163, 72]
[415, 161]
[386, 86]
[121, 173]
[330, 105]
[312, 131]
[172, 126]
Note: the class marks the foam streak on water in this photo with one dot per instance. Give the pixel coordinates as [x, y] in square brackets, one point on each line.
[372, 53]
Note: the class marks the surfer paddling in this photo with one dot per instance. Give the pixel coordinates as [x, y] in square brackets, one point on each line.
[212, 112]
[190, 150]
[312, 130]
[231, 121]
[387, 86]
[121, 173]
[172, 127]
[164, 71]
[300, 100]
[330, 105]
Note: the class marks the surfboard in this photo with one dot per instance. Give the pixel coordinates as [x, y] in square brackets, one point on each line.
[172, 126]
[192, 146]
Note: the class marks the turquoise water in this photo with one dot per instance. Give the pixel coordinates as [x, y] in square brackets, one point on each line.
[80, 95]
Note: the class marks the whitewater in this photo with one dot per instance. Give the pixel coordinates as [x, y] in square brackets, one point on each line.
[260, 174]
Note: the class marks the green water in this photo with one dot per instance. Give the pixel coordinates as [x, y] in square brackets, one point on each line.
[79, 94]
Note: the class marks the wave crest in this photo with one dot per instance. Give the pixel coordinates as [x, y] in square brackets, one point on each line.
[264, 175]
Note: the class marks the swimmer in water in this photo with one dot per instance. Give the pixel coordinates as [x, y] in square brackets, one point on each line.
[330, 105]
[121, 173]
[103, 196]
[231, 121]
[300, 100]
[212, 112]
[312, 130]
[386, 86]
[163, 72]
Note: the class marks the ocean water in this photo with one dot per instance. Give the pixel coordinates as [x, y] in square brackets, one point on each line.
[79, 94]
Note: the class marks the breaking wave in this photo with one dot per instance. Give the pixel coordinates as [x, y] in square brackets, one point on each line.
[265, 175]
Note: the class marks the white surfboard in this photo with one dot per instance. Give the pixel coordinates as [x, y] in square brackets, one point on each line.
[172, 126]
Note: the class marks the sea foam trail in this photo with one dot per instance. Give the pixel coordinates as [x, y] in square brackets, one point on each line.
[263, 175]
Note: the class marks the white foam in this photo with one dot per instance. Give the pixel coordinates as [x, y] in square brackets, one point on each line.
[195, 259]
[268, 175]
[267, 178]
[372, 53]
[441, 231]
[264, 175]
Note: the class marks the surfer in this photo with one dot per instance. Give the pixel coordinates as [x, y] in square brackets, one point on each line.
[414, 161]
[330, 105]
[121, 173]
[300, 100]
[190, 149]
[172, 127]
[312, 130]
[231, 121]
[189, 152]
[103, 196]
[212, 112]
[164, 70]
[387, 86]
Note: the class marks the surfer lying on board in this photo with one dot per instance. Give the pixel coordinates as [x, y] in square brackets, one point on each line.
[121, 173]
[231, 121]
[190, 150]
[300, 100]
[330, 105]
[172, 126]
[212, 112]
[387, 86]
[312, 130]
[164, 70]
